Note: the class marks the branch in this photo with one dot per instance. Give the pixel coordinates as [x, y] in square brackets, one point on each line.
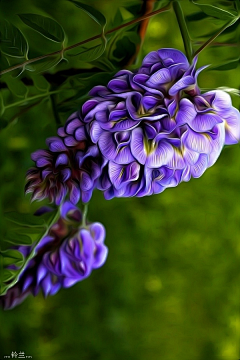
[148, 6]
[132, 22]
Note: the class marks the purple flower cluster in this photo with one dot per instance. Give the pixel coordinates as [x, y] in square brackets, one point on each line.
[142, 133]
[65, 256]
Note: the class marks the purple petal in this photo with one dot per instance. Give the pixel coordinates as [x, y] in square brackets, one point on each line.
[66, 174]
[177, 160]
[27, 282]
[137, 146]
[80, 134]
[66, 208]
[205, 122]
[120, 175]
[160, 155]
[160, 77]
[56, 144]
[183, 83]
[61, 132]
[98, 232]
[41, 272]
[100, 256]
[198, 142]
[72, 125]
[62, 159]
[221, 101]
[86, 195]
[232, 126]
[141, 79]
[40, 154]
[151, 58]
[87, 249]
[74, 193]
[88, 106]
[107, 145]
[46, 285]
[118, 85]
[201, 165]
[70, 141]
[190, 156]
[186, 112]
[217, 141]
[86, 182]
[149, 101]
[99, 90]
[176, 55]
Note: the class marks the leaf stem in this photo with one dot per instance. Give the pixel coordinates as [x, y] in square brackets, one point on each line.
[183, 29]
[54, 109]
[132, 22]
[209, 41]
[49, 93]
[31, 255]
[84, 218]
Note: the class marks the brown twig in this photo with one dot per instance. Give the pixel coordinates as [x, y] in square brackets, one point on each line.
[147, 8]
[132, 22]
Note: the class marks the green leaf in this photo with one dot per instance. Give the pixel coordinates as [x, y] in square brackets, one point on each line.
[43, 65]
[16, 86]
[12, 41]
[10, 257]
[25, 219]
[215, 11]
[47, 27]
[196, 16]
[4, 61]
[96, 15]
[2, 106]
[92, 53]
[16, 238]
[40, 82]
[8, 275]
[230, 65]
[118, 20]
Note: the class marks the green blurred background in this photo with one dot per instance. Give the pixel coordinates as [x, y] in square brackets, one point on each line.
[170, 288]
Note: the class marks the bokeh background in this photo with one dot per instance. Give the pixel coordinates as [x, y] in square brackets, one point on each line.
[170, 288]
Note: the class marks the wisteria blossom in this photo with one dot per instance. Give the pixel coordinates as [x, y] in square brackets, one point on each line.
[142, 133]
[65, 256]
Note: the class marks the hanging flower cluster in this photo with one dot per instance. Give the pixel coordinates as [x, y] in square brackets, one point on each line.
[142, 133]
[65, 256]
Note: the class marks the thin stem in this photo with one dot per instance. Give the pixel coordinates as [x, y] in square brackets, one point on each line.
[184, 30]
[23, 111]
[148, 6]
[141, 18]
[84, 218]
[209, 41]
[55, 112]
[32, 254]
[31, 98]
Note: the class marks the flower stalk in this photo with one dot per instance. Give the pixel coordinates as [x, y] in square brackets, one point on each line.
[184, 30]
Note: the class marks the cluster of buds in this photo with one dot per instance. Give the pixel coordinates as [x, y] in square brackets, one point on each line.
[142, 133]
[65, 256]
